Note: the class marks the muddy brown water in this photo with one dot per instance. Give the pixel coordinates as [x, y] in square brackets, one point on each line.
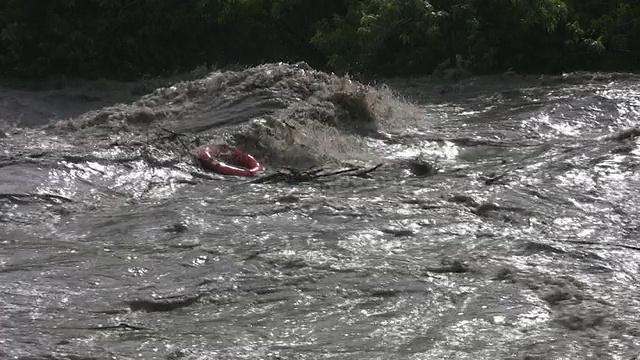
[524, 244]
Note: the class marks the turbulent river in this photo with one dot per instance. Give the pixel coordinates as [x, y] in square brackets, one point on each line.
[503, 222]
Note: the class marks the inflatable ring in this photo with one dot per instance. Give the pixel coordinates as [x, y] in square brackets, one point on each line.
[226, 160]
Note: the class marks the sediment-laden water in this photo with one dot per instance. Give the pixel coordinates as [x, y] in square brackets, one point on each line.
[503, 223]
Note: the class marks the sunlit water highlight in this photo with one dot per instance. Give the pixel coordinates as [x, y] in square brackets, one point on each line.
[522, 246]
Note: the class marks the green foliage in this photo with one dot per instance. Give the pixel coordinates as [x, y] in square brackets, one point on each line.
[129, 39]
[381, 36]
[413, 36]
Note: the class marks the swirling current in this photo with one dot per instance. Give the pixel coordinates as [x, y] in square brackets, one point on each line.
[518, 241]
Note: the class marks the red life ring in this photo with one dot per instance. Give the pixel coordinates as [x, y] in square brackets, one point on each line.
[226, 160]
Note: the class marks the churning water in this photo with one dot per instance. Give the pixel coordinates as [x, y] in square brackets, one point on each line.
[115, 244]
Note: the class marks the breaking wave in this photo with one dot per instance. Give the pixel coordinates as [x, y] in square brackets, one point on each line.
[287, 115]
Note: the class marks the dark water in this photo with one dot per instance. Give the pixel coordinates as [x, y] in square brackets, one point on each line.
[524, 245]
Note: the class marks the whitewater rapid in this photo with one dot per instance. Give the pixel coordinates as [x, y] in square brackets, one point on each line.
[520, 244]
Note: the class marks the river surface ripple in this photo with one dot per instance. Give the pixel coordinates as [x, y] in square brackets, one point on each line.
[523, 246]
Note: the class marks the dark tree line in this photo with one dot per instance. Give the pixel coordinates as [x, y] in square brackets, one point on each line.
[131, 38]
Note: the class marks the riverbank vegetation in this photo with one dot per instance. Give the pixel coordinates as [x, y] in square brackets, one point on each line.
[130, 39]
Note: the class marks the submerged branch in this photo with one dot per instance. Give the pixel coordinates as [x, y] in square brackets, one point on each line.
[584, 242]
[173, 133]
[11, 196]
[294, 176]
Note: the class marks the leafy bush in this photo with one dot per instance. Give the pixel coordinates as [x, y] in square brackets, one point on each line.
[130, 39]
